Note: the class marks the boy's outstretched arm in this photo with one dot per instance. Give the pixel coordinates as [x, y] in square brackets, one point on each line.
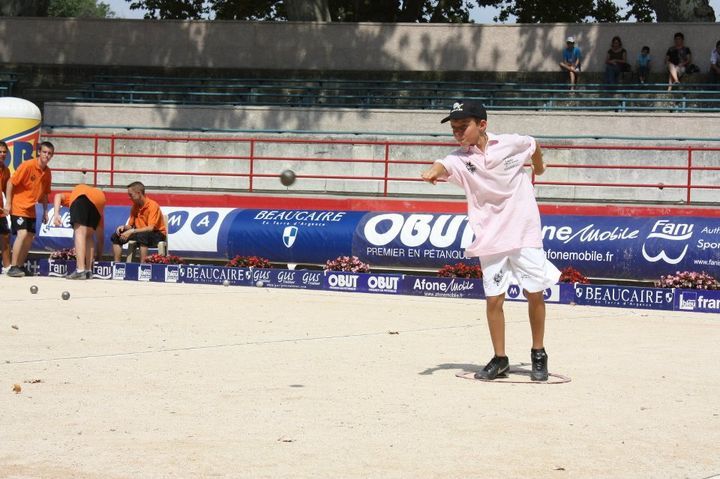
[538, 165]
[436, 172]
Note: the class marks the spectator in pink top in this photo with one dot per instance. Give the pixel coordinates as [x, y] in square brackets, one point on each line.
[504, 216]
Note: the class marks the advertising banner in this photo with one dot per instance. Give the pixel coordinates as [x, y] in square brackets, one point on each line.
[632, 247]
[363, 282]
[639, 248]
[624, 296]
[703, 301]
[292, 236]
[444, 287]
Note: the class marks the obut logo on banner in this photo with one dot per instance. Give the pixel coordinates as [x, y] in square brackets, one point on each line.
[289, 236]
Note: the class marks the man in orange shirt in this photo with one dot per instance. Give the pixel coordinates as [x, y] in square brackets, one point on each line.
[146, 224]
[4, 225]
[29, 185]
[87, 209]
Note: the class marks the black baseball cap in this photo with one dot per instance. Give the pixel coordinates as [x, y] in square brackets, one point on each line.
[466, 109]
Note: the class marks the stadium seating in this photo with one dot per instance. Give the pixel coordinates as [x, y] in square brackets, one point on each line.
[688, 97]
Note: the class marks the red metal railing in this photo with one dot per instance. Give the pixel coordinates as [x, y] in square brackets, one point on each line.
[251, 159]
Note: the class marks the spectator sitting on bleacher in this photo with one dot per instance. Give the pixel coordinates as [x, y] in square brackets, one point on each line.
[615, 61]
[146, 224]
[644, 64]
[715, 63]
[571, 61]
[678, 60]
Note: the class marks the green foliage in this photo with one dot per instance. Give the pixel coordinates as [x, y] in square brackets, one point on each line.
[569, 11]
[171, 9]
[79, 8]
[413, 11]
[419, 11]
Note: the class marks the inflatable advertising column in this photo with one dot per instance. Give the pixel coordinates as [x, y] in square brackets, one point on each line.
[20, 129]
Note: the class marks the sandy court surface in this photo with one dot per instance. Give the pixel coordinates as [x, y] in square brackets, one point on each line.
[151, 380]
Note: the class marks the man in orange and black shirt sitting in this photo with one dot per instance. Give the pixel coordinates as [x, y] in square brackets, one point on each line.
[146, 224]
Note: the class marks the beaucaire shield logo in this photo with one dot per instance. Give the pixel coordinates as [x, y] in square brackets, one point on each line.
[289, 235]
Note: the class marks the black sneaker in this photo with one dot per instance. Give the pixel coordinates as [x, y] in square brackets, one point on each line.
[15, 272]
[77, 275]
[88, 274]
[539, 365]
[498, 366]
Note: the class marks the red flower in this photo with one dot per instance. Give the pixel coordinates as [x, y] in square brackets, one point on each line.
[63, 254]
[571, 275]
[248, 262]
[160, 259]
[460, 270]
[688, 280]
[350, 264]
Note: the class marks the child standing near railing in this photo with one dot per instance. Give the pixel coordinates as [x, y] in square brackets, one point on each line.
[643, 63]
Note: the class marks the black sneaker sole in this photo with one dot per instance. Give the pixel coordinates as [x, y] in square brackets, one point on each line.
[501, 374]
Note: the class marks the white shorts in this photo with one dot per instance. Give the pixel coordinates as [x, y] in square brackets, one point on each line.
[526, 267]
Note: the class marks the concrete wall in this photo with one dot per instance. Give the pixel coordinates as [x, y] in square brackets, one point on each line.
[89, 117]
[331, 46]
[351, 120]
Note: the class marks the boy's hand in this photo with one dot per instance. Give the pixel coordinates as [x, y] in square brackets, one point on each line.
[436, 172]
[429, 176]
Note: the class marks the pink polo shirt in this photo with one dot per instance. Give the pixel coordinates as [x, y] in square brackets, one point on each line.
[502, 210]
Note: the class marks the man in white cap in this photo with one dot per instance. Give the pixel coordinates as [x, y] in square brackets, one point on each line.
[571, 61]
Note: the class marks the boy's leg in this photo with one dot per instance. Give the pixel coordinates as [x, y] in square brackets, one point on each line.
[499, 365]
[5, 247]
[117, 252]
[496, 323]
[89, 248]
[143, 253]
[80, 246]
[496, 279]
[537, 274]
[21, 247]
[536, 312]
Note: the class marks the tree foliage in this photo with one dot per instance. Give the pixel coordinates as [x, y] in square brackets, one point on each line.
[55, 8]
[390, 11]
[79, 8]
[423, 11]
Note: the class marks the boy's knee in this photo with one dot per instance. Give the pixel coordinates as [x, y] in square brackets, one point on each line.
[535, 297]
[495, 302]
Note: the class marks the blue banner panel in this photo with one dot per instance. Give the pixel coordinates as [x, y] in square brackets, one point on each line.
[410, 239]
[639, 248]
[363, 282]
[634, 248]
[58, 269]
[598, 246]
[551, 295]
[444, 287]
[202, 274]
[292, 236]
[624, 296]
[192, 232]
[300, 279]
[102, 270]
[698, 300]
